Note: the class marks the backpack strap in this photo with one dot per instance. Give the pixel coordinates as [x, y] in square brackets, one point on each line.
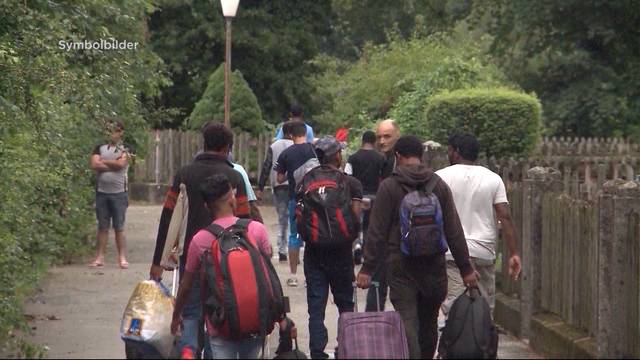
[210, 294]
[216, 230]
[431, 184]
[243, 223]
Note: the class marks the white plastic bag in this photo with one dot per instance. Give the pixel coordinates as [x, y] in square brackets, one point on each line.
[147, 317]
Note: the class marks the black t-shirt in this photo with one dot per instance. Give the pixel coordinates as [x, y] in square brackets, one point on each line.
[367, 167]
[389, 165]
[291, 159]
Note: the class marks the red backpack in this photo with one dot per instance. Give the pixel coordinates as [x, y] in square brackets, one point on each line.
[242, 296]
[324, 217]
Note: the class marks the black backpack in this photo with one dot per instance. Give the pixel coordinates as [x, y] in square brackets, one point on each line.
[324, 217]
[469, 332]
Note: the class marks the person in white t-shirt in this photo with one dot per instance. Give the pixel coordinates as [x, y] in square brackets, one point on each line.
[481, 201]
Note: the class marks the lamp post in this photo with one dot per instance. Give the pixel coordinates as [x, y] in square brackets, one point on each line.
[229, 9]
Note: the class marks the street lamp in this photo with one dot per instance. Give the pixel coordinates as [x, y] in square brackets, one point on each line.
[229, 9]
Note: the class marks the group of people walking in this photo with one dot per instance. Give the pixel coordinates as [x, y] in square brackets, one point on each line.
[367, 223]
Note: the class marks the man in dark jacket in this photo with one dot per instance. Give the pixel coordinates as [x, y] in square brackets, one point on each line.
[217, 143]
[418, 286]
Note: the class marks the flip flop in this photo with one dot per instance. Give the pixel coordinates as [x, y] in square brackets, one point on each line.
[96, 264]
[124, 264]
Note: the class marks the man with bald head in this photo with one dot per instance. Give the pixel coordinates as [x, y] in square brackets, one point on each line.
[387, 133]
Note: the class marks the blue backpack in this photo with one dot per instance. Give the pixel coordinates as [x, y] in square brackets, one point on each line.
[421, 223]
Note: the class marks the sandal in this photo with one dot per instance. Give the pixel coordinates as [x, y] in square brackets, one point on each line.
[96, 264]
[124, 264]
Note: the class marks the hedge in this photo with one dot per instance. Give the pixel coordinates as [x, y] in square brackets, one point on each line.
[506, 122]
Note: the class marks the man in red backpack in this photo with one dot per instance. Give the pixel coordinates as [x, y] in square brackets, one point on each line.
[328, 214]
[220, 201]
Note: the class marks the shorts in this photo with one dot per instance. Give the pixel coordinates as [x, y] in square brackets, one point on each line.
[111, 206]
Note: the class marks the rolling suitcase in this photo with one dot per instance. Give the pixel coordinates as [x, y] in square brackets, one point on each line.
[371, 335]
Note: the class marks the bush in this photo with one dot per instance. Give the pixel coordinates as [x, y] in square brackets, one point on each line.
[245, 111]
[396, 80]
[52, 103]
[506, 122]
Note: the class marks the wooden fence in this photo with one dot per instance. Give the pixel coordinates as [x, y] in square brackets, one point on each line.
[170, 150]
[581, 260]
[585, 164]
[569, 260]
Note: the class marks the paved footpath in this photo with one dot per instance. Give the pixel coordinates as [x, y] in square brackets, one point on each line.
[76, 312]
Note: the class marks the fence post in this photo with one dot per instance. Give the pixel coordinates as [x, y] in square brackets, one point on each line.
[157, 157]
[618, 270]
[540, 180]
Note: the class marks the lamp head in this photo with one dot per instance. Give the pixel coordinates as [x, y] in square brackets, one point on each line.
[229, 7]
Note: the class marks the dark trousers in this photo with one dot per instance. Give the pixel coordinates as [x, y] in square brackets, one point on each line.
[417, 291]
[324, 271]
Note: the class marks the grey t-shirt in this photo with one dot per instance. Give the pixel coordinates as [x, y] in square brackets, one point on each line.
[111, 182]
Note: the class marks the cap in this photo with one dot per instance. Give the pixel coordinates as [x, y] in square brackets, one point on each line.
[328, 145]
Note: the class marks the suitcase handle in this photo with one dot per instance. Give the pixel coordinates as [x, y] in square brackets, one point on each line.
[376, 285]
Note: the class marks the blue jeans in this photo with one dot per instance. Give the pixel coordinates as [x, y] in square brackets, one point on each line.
[239, 349]
[324, 270]
[192, 322]
[281, 200]
[294, 241]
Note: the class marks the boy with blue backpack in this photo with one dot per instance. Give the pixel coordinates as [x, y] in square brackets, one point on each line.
[415, 216]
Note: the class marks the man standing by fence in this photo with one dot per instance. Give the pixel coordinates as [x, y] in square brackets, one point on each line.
[280, 191]
[481, 199]
[109, 161]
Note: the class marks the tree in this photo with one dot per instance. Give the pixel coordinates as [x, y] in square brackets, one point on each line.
[272, 43]
[245, 112]
[398, 78]
[358, 22]
[580, 57]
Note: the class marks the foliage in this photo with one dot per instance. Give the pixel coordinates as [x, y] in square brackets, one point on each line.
[397, 79]
[506, 123]
[272, 42]
[580, 57]
[245, 112]
[52, 103]
[358, 22]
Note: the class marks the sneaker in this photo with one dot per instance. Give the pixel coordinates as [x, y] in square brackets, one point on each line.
[282, 257]
[293, 282]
